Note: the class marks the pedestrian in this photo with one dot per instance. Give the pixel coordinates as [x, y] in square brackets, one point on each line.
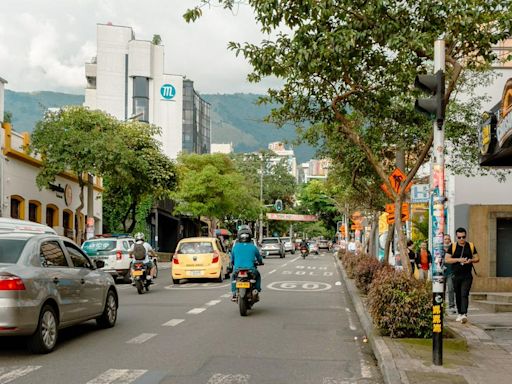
[462, 255]
[448, 277]
[412, 255]
[423, 261]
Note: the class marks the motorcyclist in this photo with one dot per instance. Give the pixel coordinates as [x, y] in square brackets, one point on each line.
[245, 255]
[148, 261]
[304, 245]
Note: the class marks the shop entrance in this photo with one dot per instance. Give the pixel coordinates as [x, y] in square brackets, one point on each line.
[504, 247]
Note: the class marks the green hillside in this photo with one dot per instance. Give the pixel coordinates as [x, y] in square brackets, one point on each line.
[235, 118]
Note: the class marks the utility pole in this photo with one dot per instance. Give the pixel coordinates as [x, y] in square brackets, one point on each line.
[261, 200]
[435, 107]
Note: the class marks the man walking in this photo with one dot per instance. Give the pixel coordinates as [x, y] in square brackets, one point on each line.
[448, 277]
[462, 255]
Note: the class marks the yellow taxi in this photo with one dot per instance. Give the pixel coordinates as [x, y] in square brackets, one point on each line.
[200, 258]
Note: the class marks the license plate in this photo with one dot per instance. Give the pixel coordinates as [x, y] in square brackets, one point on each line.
[195, 273]
[137, 273]
[243, 284]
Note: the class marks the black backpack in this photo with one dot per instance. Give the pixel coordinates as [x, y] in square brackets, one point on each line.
[139, 251]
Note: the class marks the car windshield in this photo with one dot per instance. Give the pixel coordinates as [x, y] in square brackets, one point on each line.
[270, 241]
[10, 250]
[92, 247]
[195, 248]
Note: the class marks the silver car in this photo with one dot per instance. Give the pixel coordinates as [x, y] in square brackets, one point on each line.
[288, 244]
[272, 246]
[48, 283]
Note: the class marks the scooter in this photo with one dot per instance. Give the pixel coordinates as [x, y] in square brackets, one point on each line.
[139, 273]
[304, 252]
[246, 292]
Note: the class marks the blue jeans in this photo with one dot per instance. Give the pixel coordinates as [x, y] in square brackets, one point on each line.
[256, 275]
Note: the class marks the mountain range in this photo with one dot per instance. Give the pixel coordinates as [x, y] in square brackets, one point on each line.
[235, 118]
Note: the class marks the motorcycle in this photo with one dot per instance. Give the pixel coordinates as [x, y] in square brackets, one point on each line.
[304, 252]
[139, 272]
[246, 292]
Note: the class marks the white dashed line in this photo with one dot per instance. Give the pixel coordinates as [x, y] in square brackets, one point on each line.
[337, 283]
[119, 376]
[226, 295]
[196, 311]
[350, 322]
[141, 338]
[213, 302]
[173, 322]
[272, 271]
[219, 378]
[16, 373]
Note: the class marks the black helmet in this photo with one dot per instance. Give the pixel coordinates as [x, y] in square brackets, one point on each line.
[244, 235]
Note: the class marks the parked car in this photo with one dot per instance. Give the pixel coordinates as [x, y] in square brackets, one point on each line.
[324, 244]
[47, 283]
[272, 246]
[114, 252]
[288, 244]
[200, 257]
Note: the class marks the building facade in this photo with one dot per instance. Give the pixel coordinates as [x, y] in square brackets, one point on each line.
[287, 154]
[127, 80]
[20, 197]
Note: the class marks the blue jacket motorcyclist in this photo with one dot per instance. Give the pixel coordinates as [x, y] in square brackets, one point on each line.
[245, 255]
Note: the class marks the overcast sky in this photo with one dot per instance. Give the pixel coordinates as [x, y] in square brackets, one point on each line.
[45, 43]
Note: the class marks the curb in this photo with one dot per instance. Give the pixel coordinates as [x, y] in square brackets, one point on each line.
[389, 370]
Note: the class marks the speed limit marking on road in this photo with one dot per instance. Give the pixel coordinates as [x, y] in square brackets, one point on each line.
[299, 286]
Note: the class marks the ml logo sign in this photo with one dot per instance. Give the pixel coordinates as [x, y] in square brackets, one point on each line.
[168, 91]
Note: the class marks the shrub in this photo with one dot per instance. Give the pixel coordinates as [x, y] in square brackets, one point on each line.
[400, 306]
[365, 271]
[349, 261]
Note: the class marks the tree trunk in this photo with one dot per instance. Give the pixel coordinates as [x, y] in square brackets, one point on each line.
[373, 232]
[389, 239]
[134, 217]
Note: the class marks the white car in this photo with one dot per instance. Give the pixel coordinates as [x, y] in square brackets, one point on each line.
[288, 244]
[113, 251]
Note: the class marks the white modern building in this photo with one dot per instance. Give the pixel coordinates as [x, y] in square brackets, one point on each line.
[127, 79]
[20, 197]
[225, 148]
[282, 153]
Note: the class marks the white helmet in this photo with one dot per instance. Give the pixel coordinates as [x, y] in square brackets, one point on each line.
[139, 236]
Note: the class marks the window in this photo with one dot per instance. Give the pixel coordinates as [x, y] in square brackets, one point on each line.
[94, 247]
[17, 207]
[126, 246]
[34, 211]
[10, 250]
[78, 259]
[52, 218]
[67, 223]
[52, 255]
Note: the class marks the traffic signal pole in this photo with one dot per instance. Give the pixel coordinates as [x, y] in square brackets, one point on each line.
[438, 203]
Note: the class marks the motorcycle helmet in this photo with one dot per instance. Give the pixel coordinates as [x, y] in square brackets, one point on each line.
[244, 235]
[139, 236]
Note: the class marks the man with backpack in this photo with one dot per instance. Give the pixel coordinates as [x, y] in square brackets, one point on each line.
[141, 251]
[462, 255]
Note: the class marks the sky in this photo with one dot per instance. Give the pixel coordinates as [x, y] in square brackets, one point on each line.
[45, 43]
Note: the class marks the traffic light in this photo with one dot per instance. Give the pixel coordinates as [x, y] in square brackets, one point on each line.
[433, 107]
[278, 205]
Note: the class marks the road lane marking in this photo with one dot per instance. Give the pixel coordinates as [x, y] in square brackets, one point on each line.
[338, 283]
[142, 338]
[119, 376]
[350, 322]
[299, 286]
[226, 295]
[213, 302]
[196, 311]
[16, 373]
[219, 378]
[272, 271]
[173, 322]
[197, 286]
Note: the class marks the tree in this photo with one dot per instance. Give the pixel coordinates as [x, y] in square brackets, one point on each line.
[314, 198]
[350, 65]
[78, 140]
[7, 117]
[146, 176]
[210, 186]
[156, 39]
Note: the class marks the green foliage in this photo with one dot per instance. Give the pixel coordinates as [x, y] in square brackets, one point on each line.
[157, 39]
[314, 198]
[365, 271]
[143, 211]
[7, 117]
[400, 306]
[210, 186]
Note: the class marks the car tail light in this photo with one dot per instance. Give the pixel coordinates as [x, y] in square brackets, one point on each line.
[242, 273]
[215, 257]
[10, 282]
[175, 259]
[119, 255]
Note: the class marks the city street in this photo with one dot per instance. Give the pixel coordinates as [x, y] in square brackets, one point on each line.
[302, 331]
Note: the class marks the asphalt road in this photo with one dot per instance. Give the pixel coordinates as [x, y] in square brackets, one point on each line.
[303, 330]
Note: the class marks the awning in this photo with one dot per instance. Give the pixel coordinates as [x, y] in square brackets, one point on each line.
[222, 232]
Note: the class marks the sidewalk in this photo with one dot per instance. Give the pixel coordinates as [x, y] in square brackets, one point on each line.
[481, 354]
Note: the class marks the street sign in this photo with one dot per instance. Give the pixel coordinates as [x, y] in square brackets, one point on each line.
[420, 193]
[391, 214]
[396, 178]
[390, 208]
[291, 217]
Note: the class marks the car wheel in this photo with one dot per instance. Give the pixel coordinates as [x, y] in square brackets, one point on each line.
[109, 316]
[220, 279]
[45, 337]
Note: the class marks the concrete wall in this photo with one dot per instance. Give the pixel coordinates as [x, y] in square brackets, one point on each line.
[482, 232]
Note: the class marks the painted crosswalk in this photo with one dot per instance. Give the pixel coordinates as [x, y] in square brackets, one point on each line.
[132, 376]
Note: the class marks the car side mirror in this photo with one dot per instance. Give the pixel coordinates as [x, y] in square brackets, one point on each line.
[99, 263]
